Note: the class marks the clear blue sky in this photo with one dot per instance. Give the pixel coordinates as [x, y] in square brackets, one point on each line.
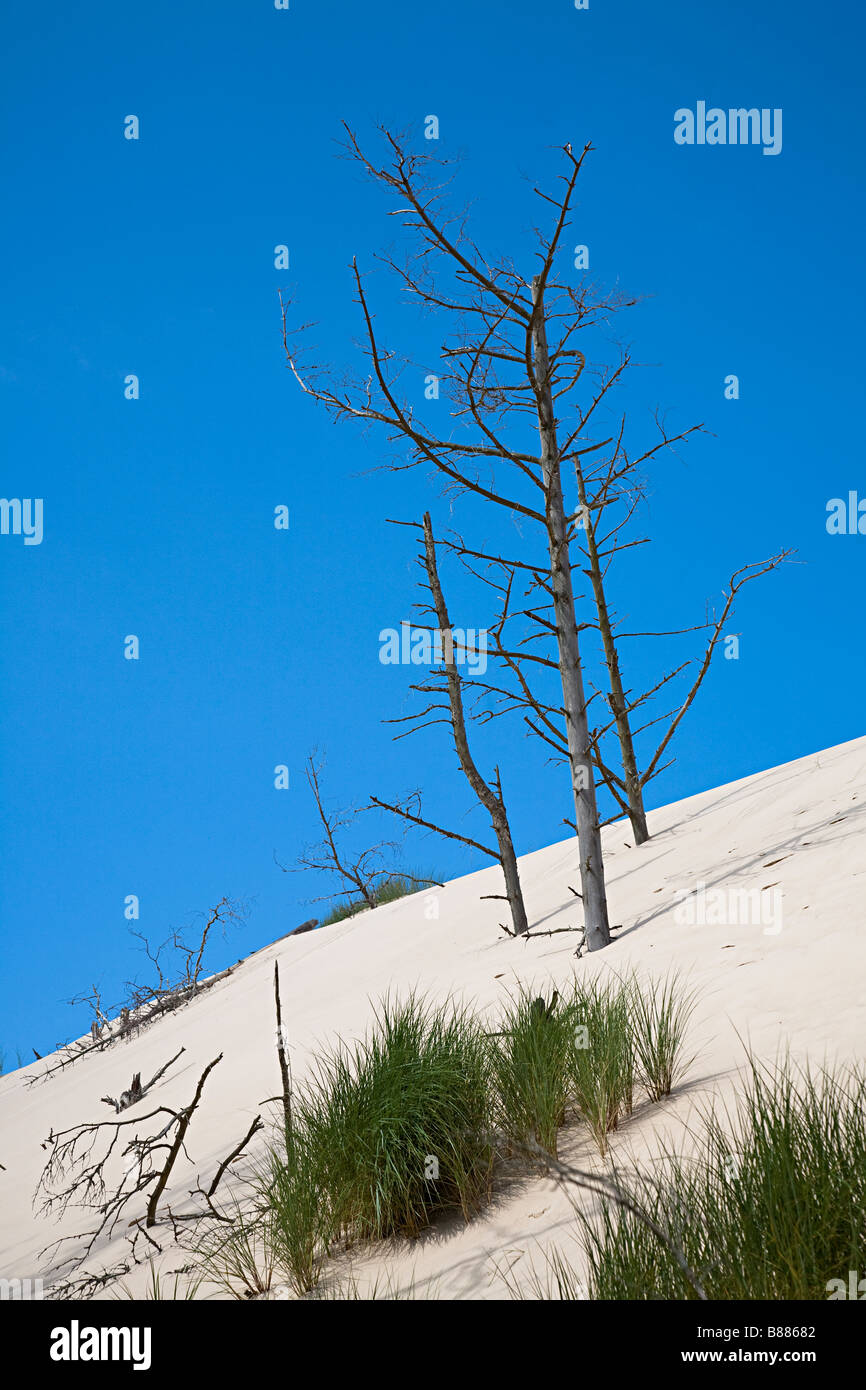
[156, 257]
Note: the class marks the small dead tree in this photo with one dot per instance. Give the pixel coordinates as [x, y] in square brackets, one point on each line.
[363, 874]
[490, 796]
[185, 980]
[177, 982]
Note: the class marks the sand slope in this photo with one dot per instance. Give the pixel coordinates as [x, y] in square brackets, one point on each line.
[797, 831]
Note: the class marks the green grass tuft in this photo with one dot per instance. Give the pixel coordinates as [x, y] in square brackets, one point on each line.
[390, 1132]
[661, 1011]
[602, 1061]
[531, 1072]
[772, 1205]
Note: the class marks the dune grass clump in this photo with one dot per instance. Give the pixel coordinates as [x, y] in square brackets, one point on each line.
[342, 911]
[403, 886]
[531, 1073]
[395, 1130]
[660, 1014]
[588, 1054]
[772, 1205]
[602, 1064]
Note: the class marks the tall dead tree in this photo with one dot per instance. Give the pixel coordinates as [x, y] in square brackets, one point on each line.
[490, 797]
[571, 674]
[503, 324]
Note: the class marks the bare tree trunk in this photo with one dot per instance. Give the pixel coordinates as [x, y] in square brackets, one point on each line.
[494, 804]
[282, 1054]
[593, 894]
[618, 704]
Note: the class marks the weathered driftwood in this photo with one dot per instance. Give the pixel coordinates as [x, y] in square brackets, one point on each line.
[136, 1091]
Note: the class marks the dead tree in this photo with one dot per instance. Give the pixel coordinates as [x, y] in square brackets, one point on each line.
[623, 704]
[177, 981]
[546, 720]
[614, 482]
[490, 797]
[503, 318]
[362, 874]
[596, 927]
[176, 988]
[136, 1091]
[501, 370]
[77, 1170]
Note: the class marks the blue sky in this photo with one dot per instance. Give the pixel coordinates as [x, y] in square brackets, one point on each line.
[156, 257]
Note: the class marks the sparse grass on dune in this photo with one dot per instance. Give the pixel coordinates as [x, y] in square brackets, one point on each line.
[382, 1289]
[771, 1206]
[557, 1281]
[392, 888]
[297, 1208]
[162, 1288]
[240, 1258]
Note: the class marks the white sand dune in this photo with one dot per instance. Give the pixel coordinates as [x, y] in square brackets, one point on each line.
[797, 830]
